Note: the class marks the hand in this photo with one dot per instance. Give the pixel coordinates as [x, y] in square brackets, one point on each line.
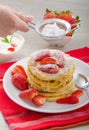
[11, 21]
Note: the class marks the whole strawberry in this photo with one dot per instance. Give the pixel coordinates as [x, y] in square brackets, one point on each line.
[49, 14]
[65, 15]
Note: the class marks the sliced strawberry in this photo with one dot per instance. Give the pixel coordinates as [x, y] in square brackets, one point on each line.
[28, 94]
[42, 56]
[19, 81]
[60, 59]
[68, 100]
[48, 60]
[11, 49]
[19, 69]
[69, 34]
[39, 100]
[78, 92]
[13, 44]
[49, 68]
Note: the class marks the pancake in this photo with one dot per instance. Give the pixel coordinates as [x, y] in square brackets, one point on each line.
[52, 85]
[60, 93]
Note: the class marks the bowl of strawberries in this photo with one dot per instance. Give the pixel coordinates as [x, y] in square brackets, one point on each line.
[67, 16]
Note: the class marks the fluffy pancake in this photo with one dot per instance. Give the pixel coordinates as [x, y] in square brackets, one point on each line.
[52, 85]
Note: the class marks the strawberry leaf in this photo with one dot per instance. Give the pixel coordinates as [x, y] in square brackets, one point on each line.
[47, 10]
[77, 19]
[68, 12]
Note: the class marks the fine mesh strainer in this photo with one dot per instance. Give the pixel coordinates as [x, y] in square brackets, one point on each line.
[63, 27]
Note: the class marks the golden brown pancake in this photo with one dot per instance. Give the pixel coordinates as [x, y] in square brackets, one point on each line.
[52, 85]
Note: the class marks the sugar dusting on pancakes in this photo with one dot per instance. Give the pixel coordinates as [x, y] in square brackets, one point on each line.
[61, 57]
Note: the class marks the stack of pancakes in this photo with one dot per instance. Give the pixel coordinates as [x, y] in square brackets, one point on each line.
[52, 85]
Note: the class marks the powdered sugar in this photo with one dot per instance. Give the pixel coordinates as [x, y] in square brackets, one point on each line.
[59, 55]
[52, 30]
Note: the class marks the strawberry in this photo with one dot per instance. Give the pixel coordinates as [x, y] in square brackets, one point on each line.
[48, 60]
[19, 81]
[60, 59]
[69, 34]
[42, 56]
[49, 68]
[65, 15]
[13, 44]
[77, 92]
[39, 100]
[28, 94]
[68, 100]
[49, 14]
[19, 69]
[11, 49]
[73, 21]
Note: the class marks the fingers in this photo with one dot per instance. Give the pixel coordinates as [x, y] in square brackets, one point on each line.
[13, 21]
[26, 19]
[22, 26]
[23, 22]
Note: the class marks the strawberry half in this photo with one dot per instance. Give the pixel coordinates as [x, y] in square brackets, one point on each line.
[11, 49]
[48, 60]
[42, 56]
[78, 92]
[28, 94]
[60, 59]
[49, 68]
[39, 100]
[68, 100]
[19, 69]
[19, 81]
[13, 44]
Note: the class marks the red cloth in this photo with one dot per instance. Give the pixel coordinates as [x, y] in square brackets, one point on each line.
[3, 68]
[19, 118]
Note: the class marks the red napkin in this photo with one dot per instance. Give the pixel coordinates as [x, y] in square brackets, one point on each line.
[19, 118]
[3, 68]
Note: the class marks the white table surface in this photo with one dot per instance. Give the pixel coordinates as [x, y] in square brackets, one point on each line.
[34, 41]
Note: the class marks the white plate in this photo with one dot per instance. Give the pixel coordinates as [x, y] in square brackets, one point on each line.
[49, 107]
